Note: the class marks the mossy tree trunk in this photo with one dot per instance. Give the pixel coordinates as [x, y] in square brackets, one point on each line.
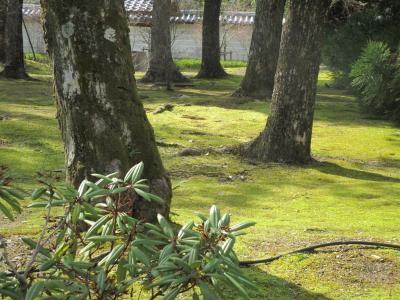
[287, 136]
[211, 58]
[14, 66]
[264, 50]
[3, 16]
[103, 123]
[161, 66]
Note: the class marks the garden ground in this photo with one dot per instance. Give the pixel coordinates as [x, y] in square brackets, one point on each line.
[351, 191]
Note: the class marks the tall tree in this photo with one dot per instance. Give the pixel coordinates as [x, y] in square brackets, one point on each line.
[287, 136]
[103, 123]
[264, 50]
[14, 66]
[211, 52]
[162, 67]
[3, 16]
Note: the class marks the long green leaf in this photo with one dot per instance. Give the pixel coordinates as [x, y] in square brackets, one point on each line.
[242, 226]
[34, 290]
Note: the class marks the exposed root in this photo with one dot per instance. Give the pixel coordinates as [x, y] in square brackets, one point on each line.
[314, 247]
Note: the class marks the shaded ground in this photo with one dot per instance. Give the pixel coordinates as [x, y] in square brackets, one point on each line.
[351, 193]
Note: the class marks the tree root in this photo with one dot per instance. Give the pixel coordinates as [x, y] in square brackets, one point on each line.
[314, 247]
[203, 151]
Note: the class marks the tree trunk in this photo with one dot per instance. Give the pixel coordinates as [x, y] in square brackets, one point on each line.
[264, 50]
[162, 67]
[103, 123]
[14, 66]
[287, 136]
[211, 58]
[3, 16]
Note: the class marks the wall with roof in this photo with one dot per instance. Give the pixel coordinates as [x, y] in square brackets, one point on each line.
[186, 39]
[35, 31]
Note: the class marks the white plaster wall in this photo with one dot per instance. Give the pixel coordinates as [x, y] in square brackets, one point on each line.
[186, 39]
[36, 34]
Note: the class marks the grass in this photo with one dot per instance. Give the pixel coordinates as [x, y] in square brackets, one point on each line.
[194, 64]
[351, 193]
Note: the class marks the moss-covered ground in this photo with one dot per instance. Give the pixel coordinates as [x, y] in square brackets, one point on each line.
[351, 192]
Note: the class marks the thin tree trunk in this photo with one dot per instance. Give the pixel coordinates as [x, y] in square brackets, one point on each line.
[103, 123]
[14, 66]
[3, 16]
[162, 66]
[264, 50]
[287, 136]
[211, 58]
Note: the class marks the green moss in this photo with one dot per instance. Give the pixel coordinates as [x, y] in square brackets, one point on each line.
[352, 193]
[194, 64]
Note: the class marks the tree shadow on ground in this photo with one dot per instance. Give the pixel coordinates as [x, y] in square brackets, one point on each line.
[334, 169]
[275, 288]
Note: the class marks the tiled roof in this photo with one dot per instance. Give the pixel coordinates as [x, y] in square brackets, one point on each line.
[139, 5]
[239, 18]
[31, 10]
[139, 12]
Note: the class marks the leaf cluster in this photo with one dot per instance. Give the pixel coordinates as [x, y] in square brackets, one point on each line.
[117, 251]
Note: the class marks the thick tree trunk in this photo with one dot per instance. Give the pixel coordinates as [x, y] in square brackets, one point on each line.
[287, 136]
[211, 59]
[103, 123]
[3, 16]
[14, 66]
[162, 67]
[264, 50]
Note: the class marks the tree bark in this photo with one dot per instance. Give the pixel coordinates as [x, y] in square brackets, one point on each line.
[162, 67]
[211, 58]
[287, 136]
[264, 50]
[103, 123]
[14, 66]
[3, 16]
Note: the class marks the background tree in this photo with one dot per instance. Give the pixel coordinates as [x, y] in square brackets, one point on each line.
[162, 67]
[287, 136]
[104, 126]
[350, 30]
[14, 66]
[3, 16]
[264, 50]
[211, 52]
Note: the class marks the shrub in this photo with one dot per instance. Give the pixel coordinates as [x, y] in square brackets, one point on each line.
[344, 41]
[118, 250]
[372, 75]
[394, 89]
[9, 196]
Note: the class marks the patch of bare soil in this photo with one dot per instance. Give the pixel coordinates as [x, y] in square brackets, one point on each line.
[17, 251]
[367, 268]
[353, 266]
[193, 118]
[4, 143]
[168, 145]
[188, 174]
[194, 132]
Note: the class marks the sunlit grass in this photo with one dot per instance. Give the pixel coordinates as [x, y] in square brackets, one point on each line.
[352, 192]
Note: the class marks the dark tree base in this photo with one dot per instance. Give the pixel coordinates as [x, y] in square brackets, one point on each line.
[259, 150]
[152, 76]
[211, 74]
[11, 74]
[259, 94]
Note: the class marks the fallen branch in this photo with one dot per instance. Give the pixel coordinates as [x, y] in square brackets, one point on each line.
[314, 247]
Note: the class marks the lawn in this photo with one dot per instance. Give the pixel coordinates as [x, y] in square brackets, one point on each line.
[351, 192]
